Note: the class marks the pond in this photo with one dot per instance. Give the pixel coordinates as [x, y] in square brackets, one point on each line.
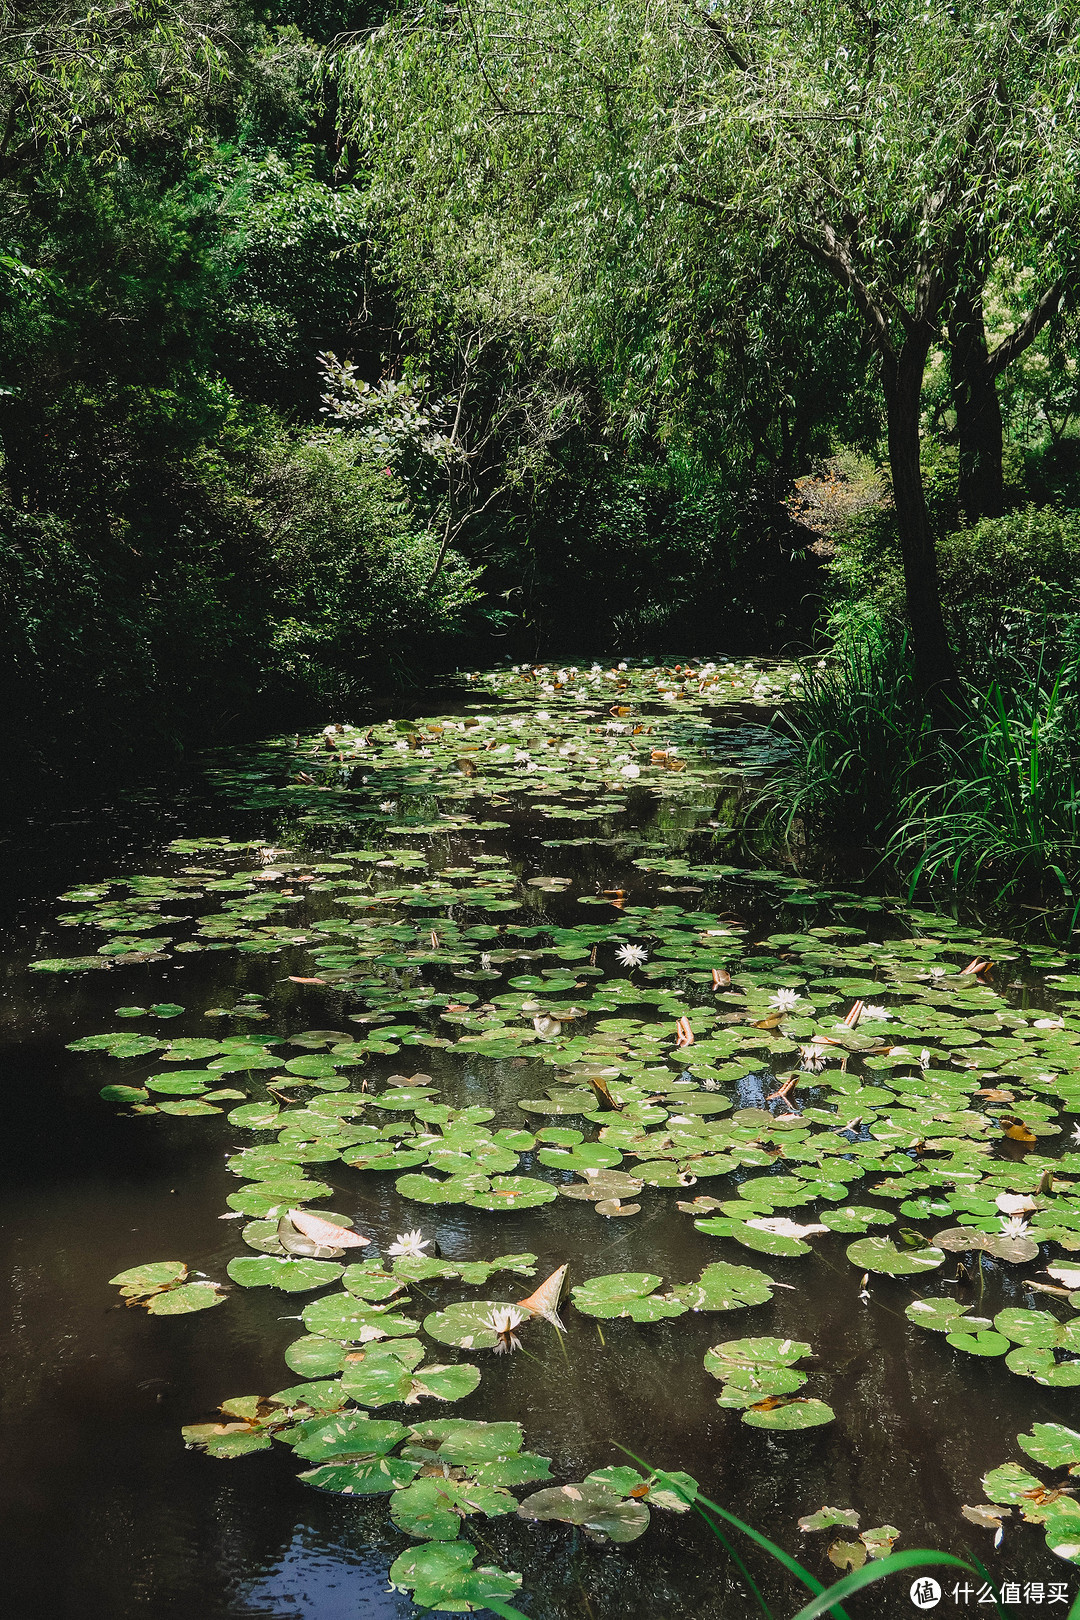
[494, 990]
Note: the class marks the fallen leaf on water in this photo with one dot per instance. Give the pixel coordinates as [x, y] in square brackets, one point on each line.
[325, 1232]
[295, 979]
[544, 1301]
[782, 1227]
[1015, 1203]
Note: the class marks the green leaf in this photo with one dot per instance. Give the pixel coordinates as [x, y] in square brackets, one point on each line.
[626, 1293]
[594, 1507]
[1052, 1444]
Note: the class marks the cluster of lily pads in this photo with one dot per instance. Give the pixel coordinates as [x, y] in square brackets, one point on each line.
[844, 1072]
[849, 1554]
[1052, 1506]
[759, 1378]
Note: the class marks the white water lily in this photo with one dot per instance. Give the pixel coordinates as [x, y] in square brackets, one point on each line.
[632, 956]
[503, 1319]
[1014, 1226]
[812, 1057]
[1075, 1134]
[631, 772]
[785, 1000]
[876, 1015]
[924, 1058]
[409, 1245]
[388, 805]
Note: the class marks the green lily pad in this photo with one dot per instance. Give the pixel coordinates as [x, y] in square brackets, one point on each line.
[594, 1507]
[723, 1287]
[984, 1343]
[432, 1509]
[626, 1293]
[466, 1326]
[347, 1434]
[225, 1440]
[440, 1575]
[1052, 1444]
[465, 1441]
[793, 1413]
[148, 1279]
[291, 1276]
[342, 1316]
[514, 1192]
[196, 1296]
[377, 1476]
[882, 1255]
[454, 1190]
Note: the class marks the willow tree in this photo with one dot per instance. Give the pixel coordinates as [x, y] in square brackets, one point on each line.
[86, 79]
[877, 141]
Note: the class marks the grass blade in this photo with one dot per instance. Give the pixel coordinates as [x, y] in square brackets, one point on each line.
[916, 1558]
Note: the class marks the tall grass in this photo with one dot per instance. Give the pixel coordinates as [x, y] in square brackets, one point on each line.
[858, 730]
[1004, 815]
[990, 807]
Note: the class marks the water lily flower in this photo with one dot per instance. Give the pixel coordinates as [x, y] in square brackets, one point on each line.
[924, 1058]
[1075, 1134]
[812, 1057]
[876, 1015]
[388, 805]
[502, 1320]
[632, 956]
[630, 772]
[785, 1000]
[1049, 1023]
[409, 1245]
[1014, 1226]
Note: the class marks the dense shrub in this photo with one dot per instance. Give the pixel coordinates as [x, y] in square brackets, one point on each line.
[1007, 584]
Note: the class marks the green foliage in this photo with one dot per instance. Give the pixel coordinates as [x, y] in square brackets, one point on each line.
[354, 605]
[858, 730]
[1007, 585]
[990, 804]
[1004, 812]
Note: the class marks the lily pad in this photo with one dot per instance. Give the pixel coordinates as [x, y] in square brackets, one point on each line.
[626, 1293]
[794, 1412]
[724, 1287]
[1052, 1444]
[882, 1255]
[291, 1276]
[596, 1508]
[466, 1326]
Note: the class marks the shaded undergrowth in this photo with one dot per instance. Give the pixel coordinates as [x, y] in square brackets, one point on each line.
[988, 808]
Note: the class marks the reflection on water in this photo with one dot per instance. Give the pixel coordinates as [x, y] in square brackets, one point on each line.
[317, 1580]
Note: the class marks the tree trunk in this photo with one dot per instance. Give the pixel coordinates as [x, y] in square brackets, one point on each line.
[935, 669]
[978, 411]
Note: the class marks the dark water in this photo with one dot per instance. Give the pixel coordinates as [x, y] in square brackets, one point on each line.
[105, 1515]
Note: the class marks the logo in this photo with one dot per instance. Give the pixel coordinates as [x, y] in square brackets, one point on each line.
[925, 1593]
